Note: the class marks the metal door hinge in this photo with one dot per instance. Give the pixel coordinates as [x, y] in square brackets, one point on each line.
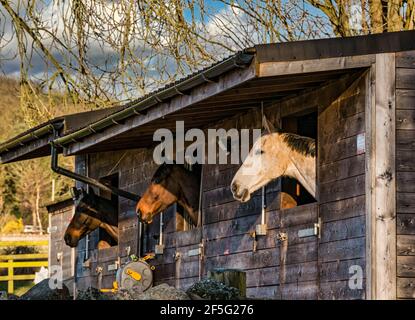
[309, 232]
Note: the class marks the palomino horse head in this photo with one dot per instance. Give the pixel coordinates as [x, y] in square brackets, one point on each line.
[272, 156]
[170, 183]
[91, 212]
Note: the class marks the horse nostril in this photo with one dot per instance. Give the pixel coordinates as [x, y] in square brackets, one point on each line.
[234, 187]
[67, 238]
[244, 193]
[140, 219]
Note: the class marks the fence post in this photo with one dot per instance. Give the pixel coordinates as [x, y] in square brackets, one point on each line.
[10, 284]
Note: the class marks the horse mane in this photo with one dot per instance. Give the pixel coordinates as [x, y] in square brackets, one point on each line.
[164, 170]
[301, 144]
[95, 206]
[162, 173]
[91, 199]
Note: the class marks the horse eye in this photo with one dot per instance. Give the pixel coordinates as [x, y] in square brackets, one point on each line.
[259, 151]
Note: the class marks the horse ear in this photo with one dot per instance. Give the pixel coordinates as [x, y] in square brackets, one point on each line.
[269, 127]
[75, 193]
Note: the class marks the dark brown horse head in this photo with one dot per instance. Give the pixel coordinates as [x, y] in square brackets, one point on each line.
[170, 183]
[91, 212]
[80, 225]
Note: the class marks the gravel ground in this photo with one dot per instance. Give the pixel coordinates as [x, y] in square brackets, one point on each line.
[160, 292]
[206, 289]
[210, 289]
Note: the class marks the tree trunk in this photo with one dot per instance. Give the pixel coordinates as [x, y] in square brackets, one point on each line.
[1, 203]
[37, 209]
[365, 26]
[34, 217]
[410, 15]
[344, 19]
[394, 18]
[376, 16]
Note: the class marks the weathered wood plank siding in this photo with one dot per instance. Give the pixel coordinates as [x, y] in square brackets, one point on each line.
[60, 255]
[226, 231]
[295, 268]
[274, 269]
[341, 192]
[405, 167]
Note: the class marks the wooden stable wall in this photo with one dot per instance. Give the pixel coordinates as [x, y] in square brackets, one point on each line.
[291, 268]
[275, 269]
[341, 191]
[286, 270]
[295, 268]
[60, 254]
[134, 169]
[405, 167]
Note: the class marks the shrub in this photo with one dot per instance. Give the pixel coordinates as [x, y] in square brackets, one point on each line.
[10, 224]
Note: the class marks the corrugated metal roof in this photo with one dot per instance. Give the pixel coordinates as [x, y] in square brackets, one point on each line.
[29, 131]
[188, 82]
[177, 87]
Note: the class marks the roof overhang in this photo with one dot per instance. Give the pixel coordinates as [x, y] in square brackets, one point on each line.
[265, 73]
[256, 76]
[240, 92]
[35, 142]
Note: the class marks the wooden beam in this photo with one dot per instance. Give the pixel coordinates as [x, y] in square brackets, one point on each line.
[370, 107]
[269, 69]
[381, 180]
[298, 79]
[177, 103]
[246, 91]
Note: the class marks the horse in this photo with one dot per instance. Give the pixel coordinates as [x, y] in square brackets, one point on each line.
[272, 156]
[170, 183]
[91, 212]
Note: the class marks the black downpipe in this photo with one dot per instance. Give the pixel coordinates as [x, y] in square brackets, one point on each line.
[92, 182]
[88, 180]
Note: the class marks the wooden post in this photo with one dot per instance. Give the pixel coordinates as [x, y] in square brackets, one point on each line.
[230, 277]
[10, 284]
[381, 180]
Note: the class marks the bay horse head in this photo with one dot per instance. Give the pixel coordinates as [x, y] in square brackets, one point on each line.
[91, 212]
[170, 183]
[274, 155]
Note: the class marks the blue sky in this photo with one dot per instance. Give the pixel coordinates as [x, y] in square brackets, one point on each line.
[213, 4]
[12, 67]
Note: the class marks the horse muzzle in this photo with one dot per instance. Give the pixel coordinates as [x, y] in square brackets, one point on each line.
[240, 194]
[141, 220]
[70, 241]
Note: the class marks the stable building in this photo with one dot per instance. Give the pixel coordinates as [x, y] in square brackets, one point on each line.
[355, 96]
